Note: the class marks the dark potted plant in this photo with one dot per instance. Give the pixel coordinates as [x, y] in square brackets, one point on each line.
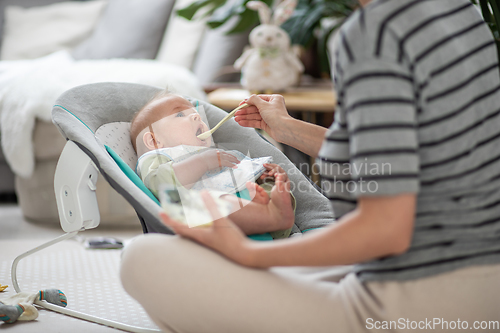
[314, 21]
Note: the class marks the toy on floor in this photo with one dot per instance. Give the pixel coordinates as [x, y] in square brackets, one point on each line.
[270, 64]
[20, 306]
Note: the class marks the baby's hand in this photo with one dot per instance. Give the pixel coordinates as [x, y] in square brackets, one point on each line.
[215, 159]
[272, 170]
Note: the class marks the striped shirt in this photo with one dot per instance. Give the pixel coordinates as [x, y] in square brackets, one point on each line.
[419, 112]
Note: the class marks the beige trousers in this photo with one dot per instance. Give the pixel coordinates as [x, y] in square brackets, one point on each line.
[185, 287]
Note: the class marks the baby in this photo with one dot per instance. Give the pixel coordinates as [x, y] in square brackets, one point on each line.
[170, 121]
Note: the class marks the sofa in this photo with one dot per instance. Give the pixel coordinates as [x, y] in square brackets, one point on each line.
[142, 33]
[7, 192]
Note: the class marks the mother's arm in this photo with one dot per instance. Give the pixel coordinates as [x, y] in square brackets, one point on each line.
[378, 227]
[268, 112]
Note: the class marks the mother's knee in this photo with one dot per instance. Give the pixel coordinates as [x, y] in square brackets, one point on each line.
[141, 255]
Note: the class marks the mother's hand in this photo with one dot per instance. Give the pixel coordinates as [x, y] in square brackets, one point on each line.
[266, 112]
[222, 235]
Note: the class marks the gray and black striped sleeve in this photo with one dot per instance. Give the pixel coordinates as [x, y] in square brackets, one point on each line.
[380, 108]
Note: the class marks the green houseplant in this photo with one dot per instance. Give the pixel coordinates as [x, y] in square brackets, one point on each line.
[305, 26]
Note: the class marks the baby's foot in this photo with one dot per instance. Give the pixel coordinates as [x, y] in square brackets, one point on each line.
[281, 203]
[258, 194]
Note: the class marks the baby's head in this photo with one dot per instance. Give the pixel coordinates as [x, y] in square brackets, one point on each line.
[167, 120]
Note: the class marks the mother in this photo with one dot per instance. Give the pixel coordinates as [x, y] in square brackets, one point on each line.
[412, 167]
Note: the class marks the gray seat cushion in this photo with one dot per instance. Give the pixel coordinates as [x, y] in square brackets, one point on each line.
[79, 112]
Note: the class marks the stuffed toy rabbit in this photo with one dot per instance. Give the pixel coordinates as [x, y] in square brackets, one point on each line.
[270, 64]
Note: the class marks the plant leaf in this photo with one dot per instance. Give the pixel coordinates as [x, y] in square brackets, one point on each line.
[228, 9]
[247, 20]
[314, 16]
[496, 13]
[485, 9]
[189, 11]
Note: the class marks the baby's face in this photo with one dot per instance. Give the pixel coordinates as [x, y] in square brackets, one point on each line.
[181, 125]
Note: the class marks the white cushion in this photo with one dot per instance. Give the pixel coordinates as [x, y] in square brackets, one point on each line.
[37, 31]
[182, 38]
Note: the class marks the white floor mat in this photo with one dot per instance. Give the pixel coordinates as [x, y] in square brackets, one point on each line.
[89, 278]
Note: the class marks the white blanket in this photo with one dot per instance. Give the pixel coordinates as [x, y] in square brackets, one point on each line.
[29, 88]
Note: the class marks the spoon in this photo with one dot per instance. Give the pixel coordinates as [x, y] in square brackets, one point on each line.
[206, 134]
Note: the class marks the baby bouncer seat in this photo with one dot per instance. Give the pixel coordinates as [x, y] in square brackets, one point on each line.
[95, 121]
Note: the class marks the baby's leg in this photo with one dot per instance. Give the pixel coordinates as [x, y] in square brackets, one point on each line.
[280, 206]
[256, 218]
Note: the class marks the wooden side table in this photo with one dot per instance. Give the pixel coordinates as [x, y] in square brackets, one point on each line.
[308, 101]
